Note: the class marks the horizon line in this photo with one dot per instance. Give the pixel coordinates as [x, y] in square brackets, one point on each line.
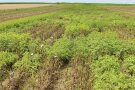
[68, 2]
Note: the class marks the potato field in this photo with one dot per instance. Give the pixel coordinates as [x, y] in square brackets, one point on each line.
[68, 47]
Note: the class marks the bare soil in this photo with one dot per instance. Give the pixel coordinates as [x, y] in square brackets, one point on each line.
[18, 6]
[125, 9]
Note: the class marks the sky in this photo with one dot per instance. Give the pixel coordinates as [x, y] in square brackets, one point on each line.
[87, 1]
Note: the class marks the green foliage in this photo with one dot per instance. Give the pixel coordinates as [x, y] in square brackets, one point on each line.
[22, 23]
[61, 49]
[106, 64]
[77, 29]
[99, 44]
[129, 65]
[29, 63]
[94, 45]
[35, 46]
[107, 75]
[13, 42]
[6, 62]
[99, 25]
[80, 47]
[7, 59]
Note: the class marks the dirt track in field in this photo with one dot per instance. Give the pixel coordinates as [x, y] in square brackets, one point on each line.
[125, 9]
[18, 6]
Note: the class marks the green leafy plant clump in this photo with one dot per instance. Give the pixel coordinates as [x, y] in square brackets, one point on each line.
[107, 75]
[29, 63]
[61, 49]
[7, 59]
[13, 42]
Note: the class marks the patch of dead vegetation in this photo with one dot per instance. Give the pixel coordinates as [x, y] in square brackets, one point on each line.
[126, 34]
[125, 9]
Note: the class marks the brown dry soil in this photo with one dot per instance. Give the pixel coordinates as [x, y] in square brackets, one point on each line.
[17, 6]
